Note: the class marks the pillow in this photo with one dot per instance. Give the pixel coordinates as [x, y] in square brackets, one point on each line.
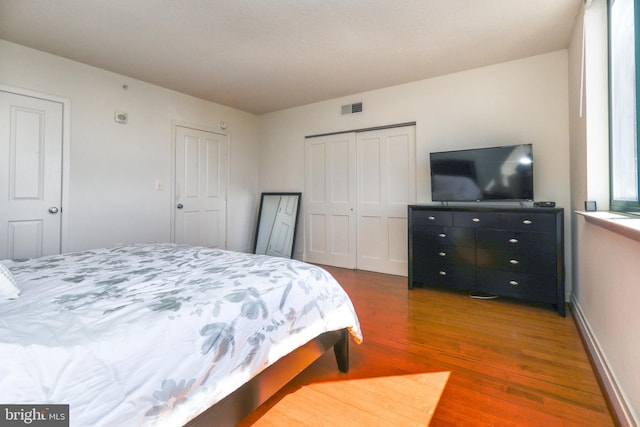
[8, 288]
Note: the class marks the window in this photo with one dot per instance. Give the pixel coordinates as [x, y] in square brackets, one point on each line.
[623, 73]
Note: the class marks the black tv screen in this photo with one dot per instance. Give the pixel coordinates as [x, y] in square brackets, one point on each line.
[495, 173]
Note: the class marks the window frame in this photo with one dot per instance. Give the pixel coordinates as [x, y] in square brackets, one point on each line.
[625, 205]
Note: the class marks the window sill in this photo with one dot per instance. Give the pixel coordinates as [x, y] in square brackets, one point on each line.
[626, 225]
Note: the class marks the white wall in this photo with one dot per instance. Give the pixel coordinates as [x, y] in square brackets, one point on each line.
[606, 287]
[113, 167]
[515, 102]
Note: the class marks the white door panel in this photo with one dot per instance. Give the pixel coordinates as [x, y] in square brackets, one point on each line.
[30, 176]
[401, 170]
[315, 180]
[340, 165]
[316, 235]
[370, 245]
[386, 185]
[397, 232]
[200, 187]
[330, 200]
[341, 241]
[369, 179]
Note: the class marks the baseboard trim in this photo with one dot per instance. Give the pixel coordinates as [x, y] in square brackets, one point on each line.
[615, 398]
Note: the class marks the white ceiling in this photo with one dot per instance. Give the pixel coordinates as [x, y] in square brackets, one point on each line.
[266, 55]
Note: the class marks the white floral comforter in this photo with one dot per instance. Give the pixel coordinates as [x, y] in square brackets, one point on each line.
[154, 334]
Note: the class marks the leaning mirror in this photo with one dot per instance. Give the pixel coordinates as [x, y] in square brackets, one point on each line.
[277, 223]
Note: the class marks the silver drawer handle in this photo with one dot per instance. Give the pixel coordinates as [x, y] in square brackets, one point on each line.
[527, 222]
[431, 218]
[513, 283]
[442, 273]
[513, 240]
[442, 235]
[514, 261]
[442, 253]
[476, 220]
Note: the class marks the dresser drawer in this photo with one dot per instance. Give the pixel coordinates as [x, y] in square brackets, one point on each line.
[529, 221]
[449, 276]
[445, 254]
[427, 218]
[477, 219]
[509, 240]
[531, 287]
[517, 261]
[450, 236]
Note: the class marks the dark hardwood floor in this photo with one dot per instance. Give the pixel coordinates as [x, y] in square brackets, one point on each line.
[510, 363]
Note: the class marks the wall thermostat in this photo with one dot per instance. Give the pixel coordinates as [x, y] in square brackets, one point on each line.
[121, 117]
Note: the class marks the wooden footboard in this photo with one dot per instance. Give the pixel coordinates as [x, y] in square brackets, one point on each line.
[233, 408]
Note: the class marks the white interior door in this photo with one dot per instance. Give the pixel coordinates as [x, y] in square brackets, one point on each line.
[201, 187]
[30, 176]
[386, 184]
[330, 197]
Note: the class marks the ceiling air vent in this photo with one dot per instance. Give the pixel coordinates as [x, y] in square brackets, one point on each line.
[352, 108]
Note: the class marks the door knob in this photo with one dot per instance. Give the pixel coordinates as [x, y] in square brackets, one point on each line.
[53, 210]
[180, 206]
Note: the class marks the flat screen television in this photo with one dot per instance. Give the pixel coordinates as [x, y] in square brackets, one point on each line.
[483, 174]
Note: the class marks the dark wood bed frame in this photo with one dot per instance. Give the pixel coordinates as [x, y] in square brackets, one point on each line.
[233, 408]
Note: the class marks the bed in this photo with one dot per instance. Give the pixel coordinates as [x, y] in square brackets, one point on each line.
[165, 334]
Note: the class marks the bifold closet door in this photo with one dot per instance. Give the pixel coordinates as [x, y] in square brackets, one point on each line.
[386, 184]
[357, 188]
[329, 200]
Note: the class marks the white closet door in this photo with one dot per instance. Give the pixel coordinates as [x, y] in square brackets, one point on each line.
[330, 187]
[357, 188]
[30, 176]
[386, 185]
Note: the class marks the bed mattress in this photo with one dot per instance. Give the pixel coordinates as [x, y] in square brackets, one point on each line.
[155, 334]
